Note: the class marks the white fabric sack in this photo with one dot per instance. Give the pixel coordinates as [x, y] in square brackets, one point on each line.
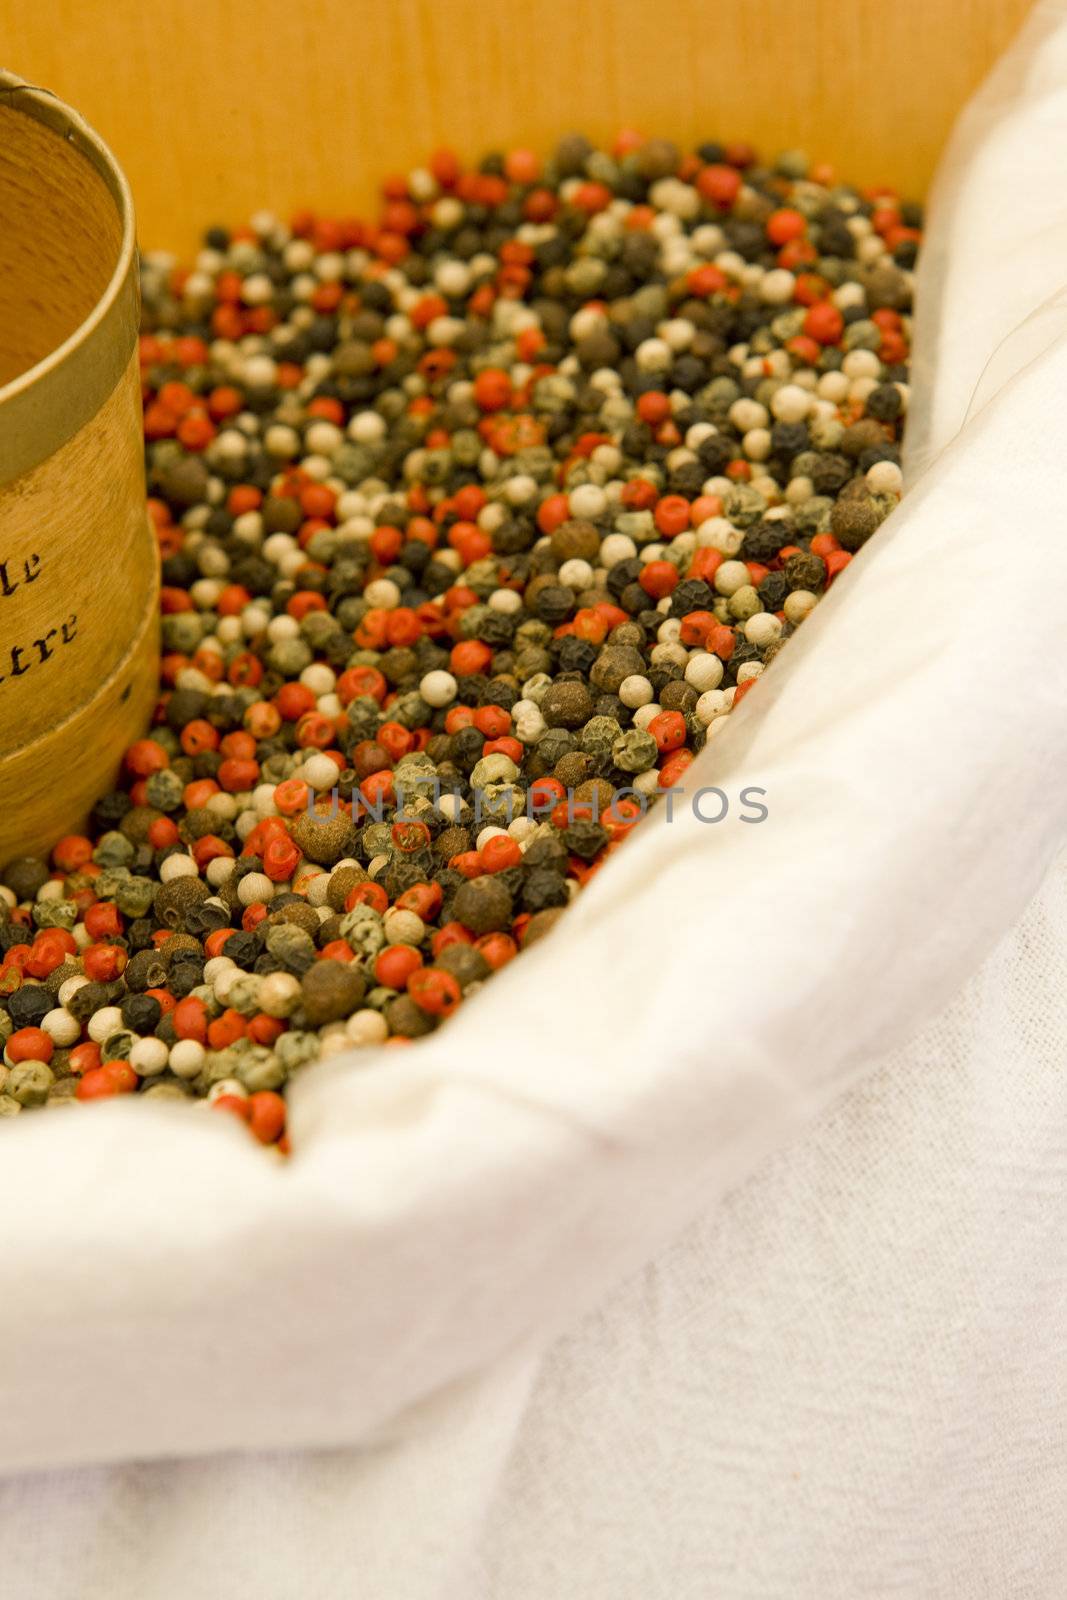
[449, 1209]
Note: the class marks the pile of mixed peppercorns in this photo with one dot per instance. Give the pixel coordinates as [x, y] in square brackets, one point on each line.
[470, 518]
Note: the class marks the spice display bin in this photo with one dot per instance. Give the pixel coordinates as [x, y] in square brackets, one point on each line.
[774, 1106]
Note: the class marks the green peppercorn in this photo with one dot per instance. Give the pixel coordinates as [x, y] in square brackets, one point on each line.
[29, 1083]
[635, 751]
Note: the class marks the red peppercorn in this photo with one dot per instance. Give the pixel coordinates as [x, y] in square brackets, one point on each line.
[266, 1115]
[450, 933]
[540, 205]
[471, 542]
[512, 748]
[72, 852]
[336, 950]
[281, 857]
[499, 853]
[544, 793]
[251, 917]
[553, 512]
[113, 1077]
[893, 349]
[620, 817]
[522, 166]
[695, 628]
[493, 721]
[196, 431]
[236, 1104]
[459, 597]
[404, 627]
[260, 836]
[611, 616]
[367, 894]
[669, 730]
[395, 739]
[659, 579]
[434, 991]
[785, 225]
[394, 965]
[469, 500]
[653, 407]
[314, 731]
[177, 397]
[50, 949]
[234, 775]
[409, 836]
[705, 563]
[239, 744]
[422, 898]
[145, 757]
[590, 625]
[469, 657]
[567, 811]
[810, 289]
[377, 787]
[706, 280]
[29, 1044]
[672, 514]
[244, 496]
[210, 663]
[720, 641]
[304, 601]
[293, 700]
[198, 736]
[386, 544]
[103, 920]
[197, 794]
[103, 963]
[674, 766]
[824, 323]
[823, 544]
[159, 421]
[805, 351]
[266, 1030]
[457, 717]
[355, 682]
[84, 1056]
[705, 506]
[639, 494]
[318, 500]
[492, 389]
[497, 948]
[190, 1019]
[226, 1030]
[719, 184]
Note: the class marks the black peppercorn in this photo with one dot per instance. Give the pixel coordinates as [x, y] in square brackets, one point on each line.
[141, 1013]
[805, 571]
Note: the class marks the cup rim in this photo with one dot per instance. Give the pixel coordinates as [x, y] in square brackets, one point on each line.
[47, 404]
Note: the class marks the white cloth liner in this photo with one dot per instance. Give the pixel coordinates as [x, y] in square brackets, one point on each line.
[864, 1339]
